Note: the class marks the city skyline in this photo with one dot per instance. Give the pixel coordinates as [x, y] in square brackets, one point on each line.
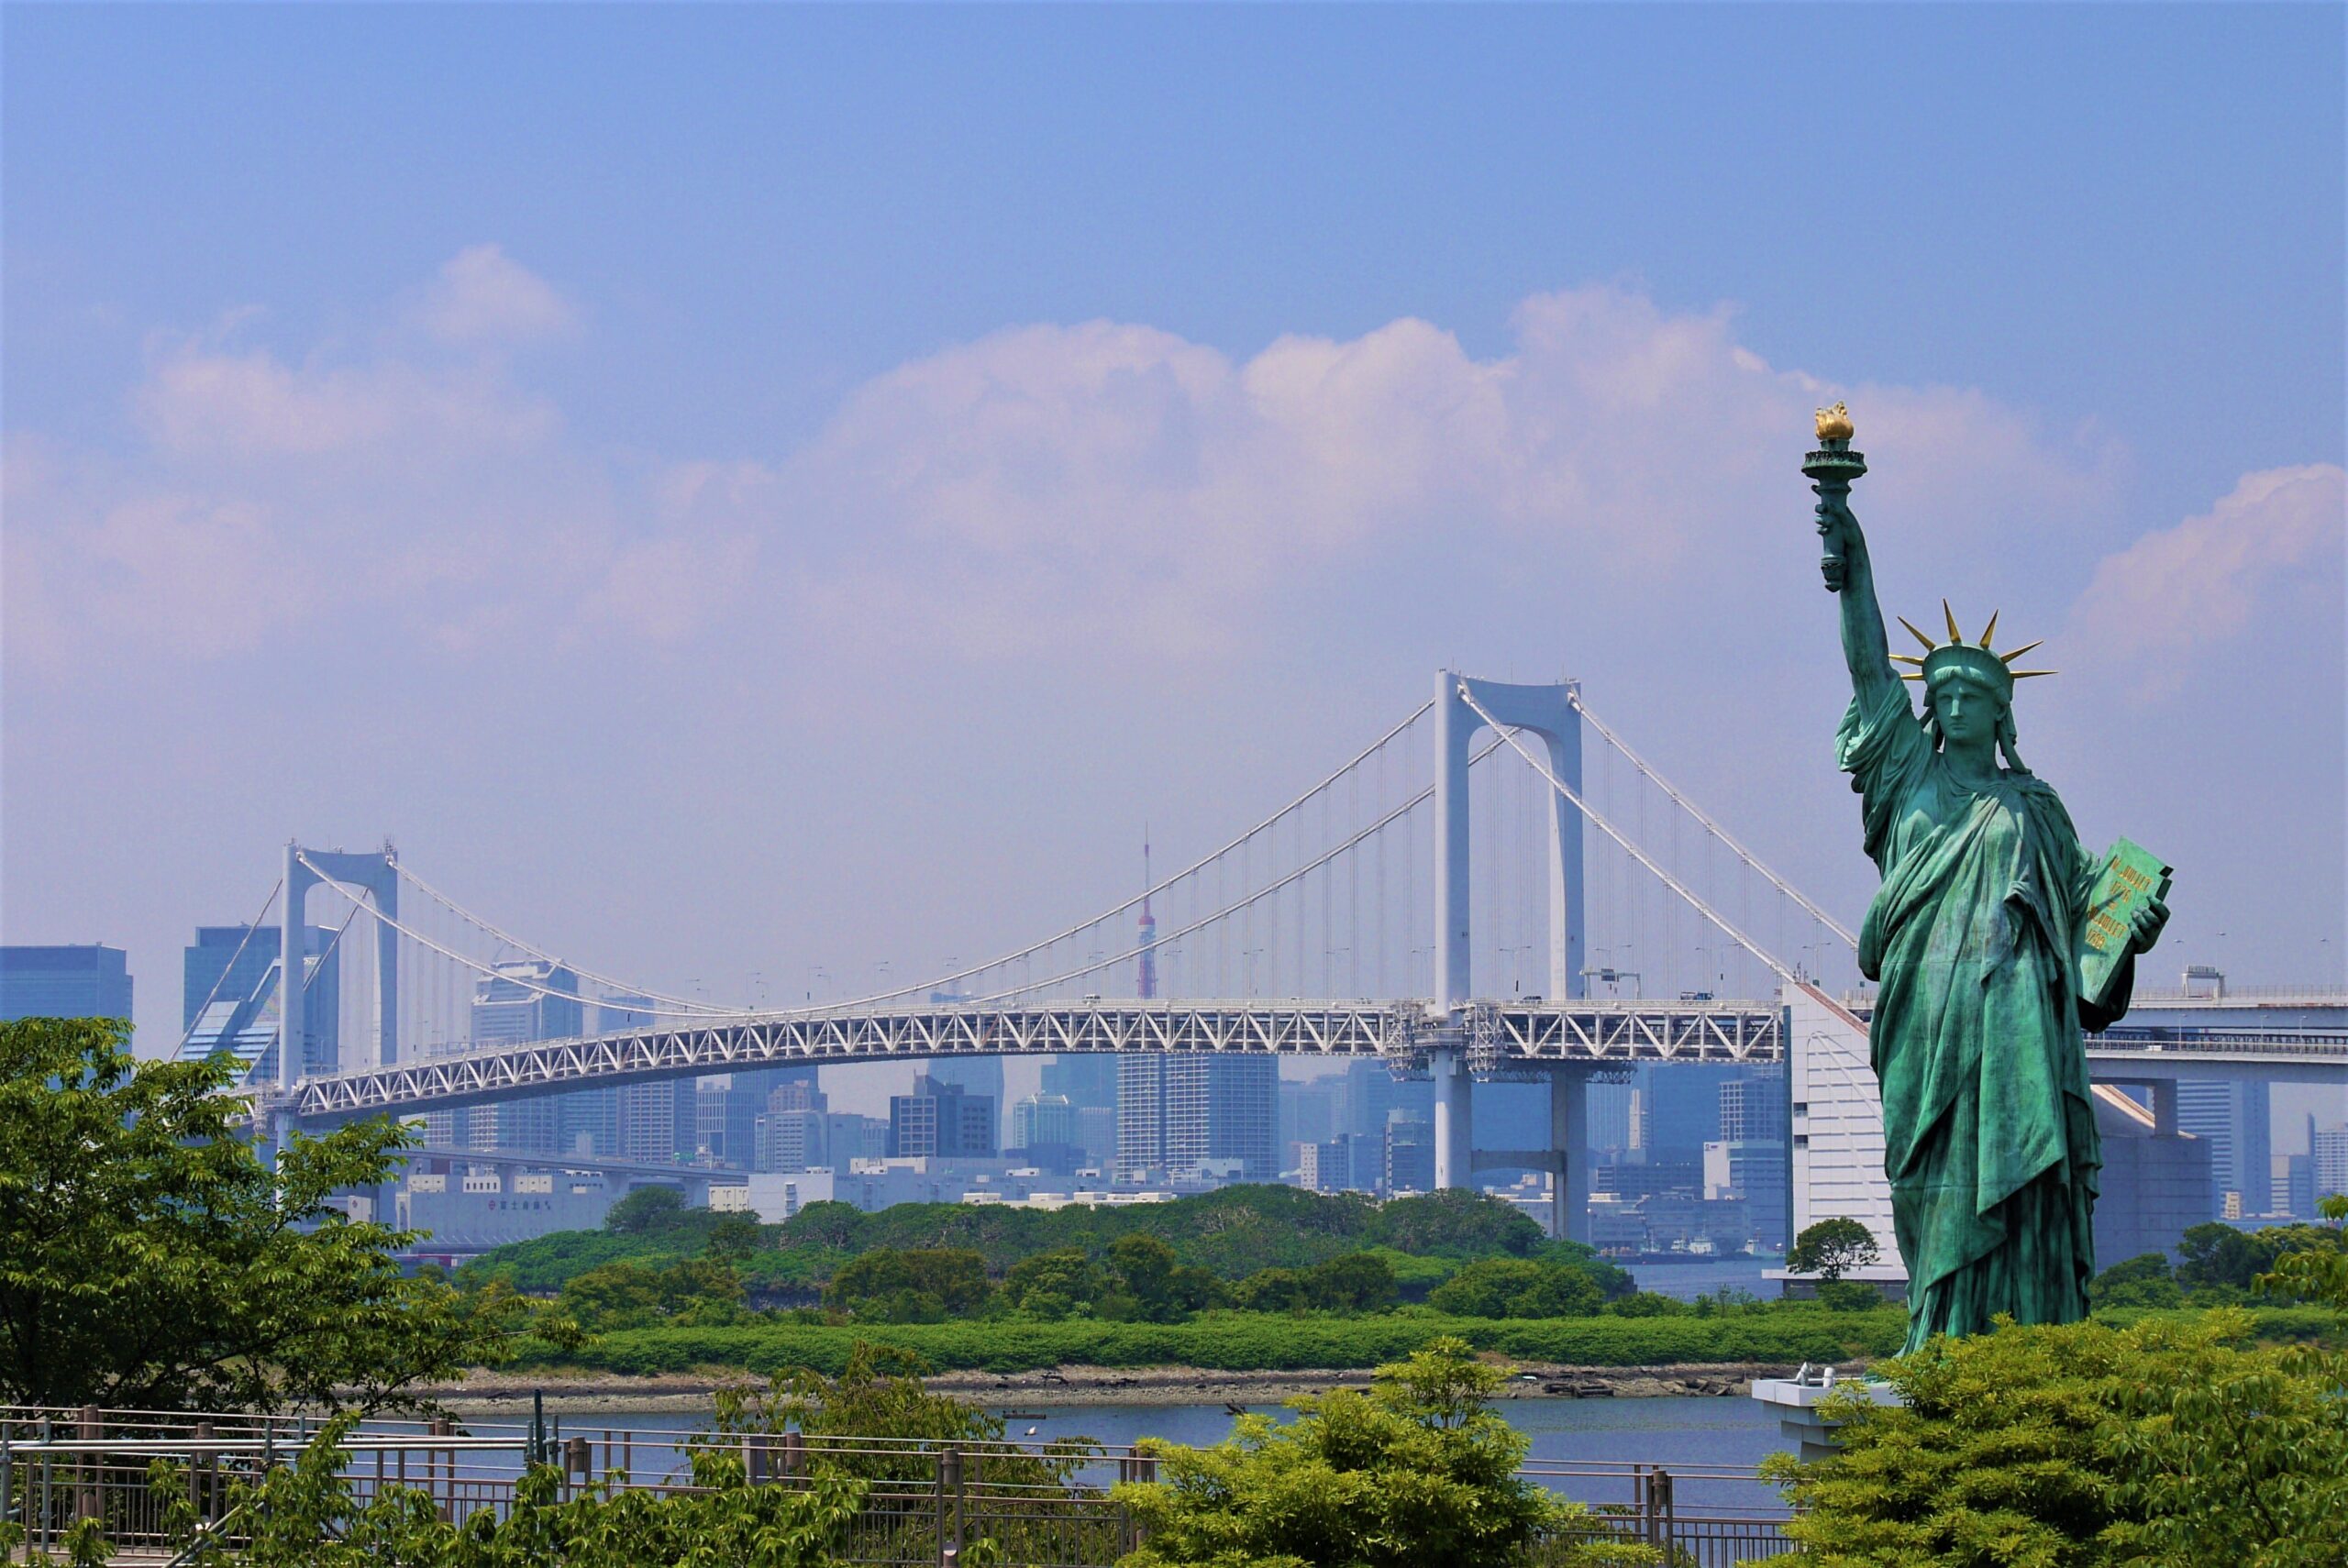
[1474, 415]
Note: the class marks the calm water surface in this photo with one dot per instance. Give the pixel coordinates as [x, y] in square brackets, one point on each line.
[1672, 1432]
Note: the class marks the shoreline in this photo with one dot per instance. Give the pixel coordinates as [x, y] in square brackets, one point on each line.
[499, 1395]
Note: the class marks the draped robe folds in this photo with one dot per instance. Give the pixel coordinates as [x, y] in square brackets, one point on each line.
[1989, 1134]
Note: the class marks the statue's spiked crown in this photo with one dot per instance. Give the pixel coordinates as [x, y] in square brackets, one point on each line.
[1957, 659]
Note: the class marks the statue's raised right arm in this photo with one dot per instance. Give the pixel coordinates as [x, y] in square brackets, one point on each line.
[1851, 577]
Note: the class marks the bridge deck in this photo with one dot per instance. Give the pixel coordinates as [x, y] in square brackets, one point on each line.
[1498, 1037]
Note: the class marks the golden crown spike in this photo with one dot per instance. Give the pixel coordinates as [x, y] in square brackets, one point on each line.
[1979, 659]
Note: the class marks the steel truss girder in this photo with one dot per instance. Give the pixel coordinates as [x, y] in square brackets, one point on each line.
[1617, 1033]
[1299, 1029]
[1502, 1038]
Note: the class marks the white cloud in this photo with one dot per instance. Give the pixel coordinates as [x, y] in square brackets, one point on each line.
[1057, 485]
[214, 405]
[1098, 489]
[2172, 593]
[484, 296]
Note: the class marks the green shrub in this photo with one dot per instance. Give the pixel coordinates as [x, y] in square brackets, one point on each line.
[1243, 1341]
[1412, 1473]
[1517, 1287]
[927, 1285]
[2143, 1280]
[1849, 1295]
[2173, 1441]
[1231, 1233]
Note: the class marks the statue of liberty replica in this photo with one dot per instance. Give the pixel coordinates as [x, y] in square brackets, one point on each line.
[1996, 939]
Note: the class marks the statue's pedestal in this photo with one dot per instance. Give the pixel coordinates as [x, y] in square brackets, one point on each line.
[1797, 1401]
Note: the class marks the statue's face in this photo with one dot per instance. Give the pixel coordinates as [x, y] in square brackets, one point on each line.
[1968, 714]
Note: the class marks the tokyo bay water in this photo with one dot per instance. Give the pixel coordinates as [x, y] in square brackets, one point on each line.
[1668, 1431]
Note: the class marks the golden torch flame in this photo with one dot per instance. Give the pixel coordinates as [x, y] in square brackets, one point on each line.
[1834, 424]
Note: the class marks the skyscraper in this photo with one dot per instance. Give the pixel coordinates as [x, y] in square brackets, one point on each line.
[1197, 1115]
[231, 1002]
[1089, 1083]
[1408, 1152]
[518, 1002]
[940, 1120]
[979, 1076]
[2328, 1150]
[654, 1120]
[1682, 1100]
[79, 981]
[2233, 1118]
[1039, 1121]
[1753, 1157]
[1089, 1079]
[791, 1130]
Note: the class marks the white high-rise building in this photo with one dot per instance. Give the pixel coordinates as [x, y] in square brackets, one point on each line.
[1188, 1115]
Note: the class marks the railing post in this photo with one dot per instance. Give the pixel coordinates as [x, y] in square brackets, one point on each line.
[47, 1478]
[86, 1502]
[201, 1490]
[794, 1454]
[949, 1508]
[442, 1427]
[7, 1470]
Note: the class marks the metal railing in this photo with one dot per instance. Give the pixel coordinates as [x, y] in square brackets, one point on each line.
[923, 1502]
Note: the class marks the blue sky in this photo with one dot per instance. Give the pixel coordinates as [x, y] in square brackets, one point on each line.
[448, 420]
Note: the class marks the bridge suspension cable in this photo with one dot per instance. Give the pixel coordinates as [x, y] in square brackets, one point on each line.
[1510, 734]
[1155, 889]
[680, 1004]
[222, 978]
[1363, 836]
[488, 970]
[1753, 861]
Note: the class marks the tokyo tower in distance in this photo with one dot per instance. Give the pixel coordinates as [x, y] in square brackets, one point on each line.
[1147, 980]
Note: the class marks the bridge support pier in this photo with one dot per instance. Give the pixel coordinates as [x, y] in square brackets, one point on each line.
[1568, 1140]
[1455, 1119]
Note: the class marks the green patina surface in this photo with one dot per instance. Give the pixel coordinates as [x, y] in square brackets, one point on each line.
[1976, 938]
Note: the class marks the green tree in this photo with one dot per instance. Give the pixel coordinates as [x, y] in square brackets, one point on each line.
[623, 1294]
[646, 1212]
[1357, 1282]
[1517, 1287]
[2216, 1254]
[1648, 1304]
[918, 1284]
[1273, 1290]
[2085, 1445]
[2218, 1263]
[1162, 1288]
[830, 1223]
[877, 1415]
[1051, 1286]
[2316, 1271]
[1456, 1222]
[1414, 1472]
[2143, 1280]
[733, 1237]
[149, 1259]
[1832, 1247]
